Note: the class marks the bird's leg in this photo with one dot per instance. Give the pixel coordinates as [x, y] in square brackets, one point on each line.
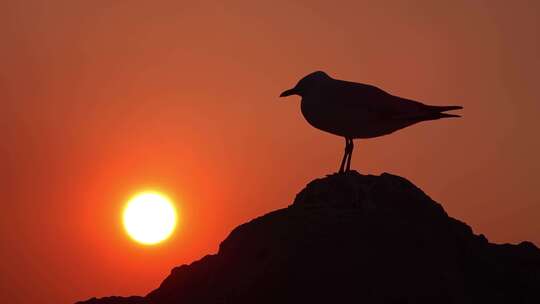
[350, 151]
[345, 153]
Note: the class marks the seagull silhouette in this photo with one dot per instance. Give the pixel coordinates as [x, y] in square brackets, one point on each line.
[356, 110]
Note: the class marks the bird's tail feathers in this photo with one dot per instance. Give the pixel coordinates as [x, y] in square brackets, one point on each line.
[445, 108]
[437, 111]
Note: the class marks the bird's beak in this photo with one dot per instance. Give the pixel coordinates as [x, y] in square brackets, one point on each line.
[288, 93]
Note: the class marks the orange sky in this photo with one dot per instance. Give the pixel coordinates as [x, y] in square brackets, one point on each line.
[103, 98]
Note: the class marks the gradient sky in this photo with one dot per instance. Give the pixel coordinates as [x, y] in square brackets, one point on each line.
[100, 99]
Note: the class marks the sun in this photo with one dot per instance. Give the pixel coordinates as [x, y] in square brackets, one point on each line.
[149, 217]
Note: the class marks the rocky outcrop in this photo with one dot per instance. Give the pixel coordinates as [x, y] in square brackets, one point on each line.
[352, 238]
[117, 300]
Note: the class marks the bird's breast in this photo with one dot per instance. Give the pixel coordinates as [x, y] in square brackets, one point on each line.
[325, 117]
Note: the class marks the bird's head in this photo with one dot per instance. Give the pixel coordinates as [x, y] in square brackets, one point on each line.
[307, 84]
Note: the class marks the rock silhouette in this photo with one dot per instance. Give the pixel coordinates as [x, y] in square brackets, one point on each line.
[352, 238]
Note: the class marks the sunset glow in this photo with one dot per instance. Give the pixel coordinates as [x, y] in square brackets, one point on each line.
[149, 218]
[104, 101]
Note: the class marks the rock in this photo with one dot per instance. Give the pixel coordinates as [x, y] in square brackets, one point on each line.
[355, 238]
[117, 300]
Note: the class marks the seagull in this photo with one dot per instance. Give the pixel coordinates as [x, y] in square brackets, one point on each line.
[356, 110]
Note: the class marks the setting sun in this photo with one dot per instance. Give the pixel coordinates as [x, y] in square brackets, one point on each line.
[149, 218]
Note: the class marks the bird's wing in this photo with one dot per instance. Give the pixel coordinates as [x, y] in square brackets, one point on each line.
[370, 98]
